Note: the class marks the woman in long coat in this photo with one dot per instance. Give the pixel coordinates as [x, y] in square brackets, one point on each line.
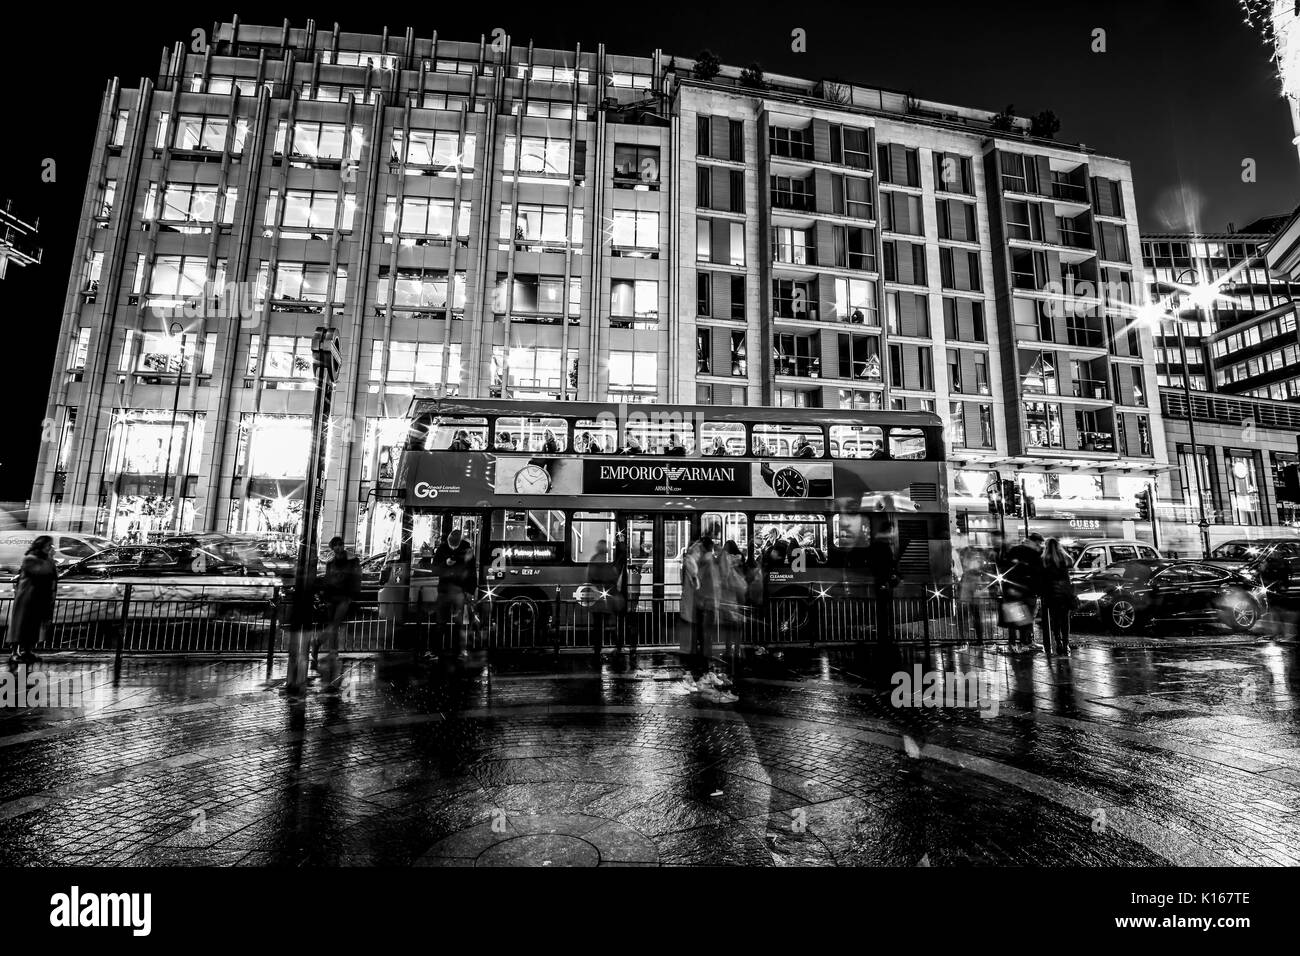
[33, 603]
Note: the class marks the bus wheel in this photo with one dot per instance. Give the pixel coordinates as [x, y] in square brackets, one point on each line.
[521, 622]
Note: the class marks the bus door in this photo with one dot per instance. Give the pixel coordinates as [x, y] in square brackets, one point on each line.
[654, 554]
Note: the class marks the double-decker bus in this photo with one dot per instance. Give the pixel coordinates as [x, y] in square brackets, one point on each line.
[540, 490]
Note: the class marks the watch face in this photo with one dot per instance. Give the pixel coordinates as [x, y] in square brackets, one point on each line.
[532, 480]
[789, 483]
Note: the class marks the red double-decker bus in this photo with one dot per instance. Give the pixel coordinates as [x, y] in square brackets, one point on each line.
[542, 490]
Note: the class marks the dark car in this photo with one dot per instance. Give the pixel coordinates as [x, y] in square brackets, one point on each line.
[1133, 596]
[1275, 560]
[160, 561]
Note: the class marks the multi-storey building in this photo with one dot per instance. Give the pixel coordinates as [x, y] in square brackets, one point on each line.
[491, 219]
[1233, 262]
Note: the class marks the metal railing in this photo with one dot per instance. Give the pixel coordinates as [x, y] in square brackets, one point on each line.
[137, 622]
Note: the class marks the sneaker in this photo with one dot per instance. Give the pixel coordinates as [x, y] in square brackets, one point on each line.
[688, 681]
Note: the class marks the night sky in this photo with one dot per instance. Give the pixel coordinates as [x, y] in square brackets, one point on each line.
[1185, 92]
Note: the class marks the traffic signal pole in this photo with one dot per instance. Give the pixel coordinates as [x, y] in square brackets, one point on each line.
[325, 363]
[1155, 523]
[1024, 505]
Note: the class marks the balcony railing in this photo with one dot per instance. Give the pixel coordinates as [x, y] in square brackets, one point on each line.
[798, 366]
[1091, 388]
[800, 202]
[1096, 441]
[1084, 337]
[1069, 192]
[1075, 238]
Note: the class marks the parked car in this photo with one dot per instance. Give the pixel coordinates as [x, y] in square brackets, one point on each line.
[269, 554]
[1092, 554]
[1277, 561]
[1133, 596]
[166, 582]
[69, 546]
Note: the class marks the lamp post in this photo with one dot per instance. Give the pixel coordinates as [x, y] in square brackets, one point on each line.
[174, 328]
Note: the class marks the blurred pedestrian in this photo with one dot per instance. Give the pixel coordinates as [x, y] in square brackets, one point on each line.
[457, 577]
[32, 609]
[341, 586]
[603, 574]
[1058, 598]
[882, 564]
[733, 610]
[1022, 583]
[972, 588]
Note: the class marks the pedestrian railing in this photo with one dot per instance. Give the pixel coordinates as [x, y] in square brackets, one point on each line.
[220, 620]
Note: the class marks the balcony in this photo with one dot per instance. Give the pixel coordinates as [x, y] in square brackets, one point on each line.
[1076, 238]
[1091, 388]
[796, 202]
[1096, 441]
[1069, 192]
[1081, 336]
[797, 366]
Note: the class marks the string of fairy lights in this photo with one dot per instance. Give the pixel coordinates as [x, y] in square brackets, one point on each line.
[1277, 21]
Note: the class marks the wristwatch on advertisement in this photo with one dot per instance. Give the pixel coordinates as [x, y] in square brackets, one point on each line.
[790, 482]
[533, 479]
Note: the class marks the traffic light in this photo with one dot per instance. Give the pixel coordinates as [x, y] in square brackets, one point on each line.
[1011, 497]
[995, 498]
[1143, 502]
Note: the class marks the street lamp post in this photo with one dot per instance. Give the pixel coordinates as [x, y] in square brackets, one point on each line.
[171, 434]
[1203, 523]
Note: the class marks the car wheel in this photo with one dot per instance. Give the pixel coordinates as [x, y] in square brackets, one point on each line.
[1124, 617]
[1239, 611]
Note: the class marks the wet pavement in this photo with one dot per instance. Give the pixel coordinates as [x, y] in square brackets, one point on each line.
[1144, 753]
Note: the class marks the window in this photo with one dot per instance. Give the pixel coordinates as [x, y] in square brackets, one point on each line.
[907, 444]
[1019, 173]
[308, 282]
[855, 302]
[959, 269]
[1092, 428]
[956, 220]
[737, 297]
[981, 362]
[420, 290]
[856, 151]
[798, 355]
[794, 143]
[954, 372]
[703, 293]
[858, 398]
[412, 363]
[434, 148]
[904, 262]
[703, 351]
[633, 376]
[791, 299]
[78, 353]
[310, 214]
[1114, 242]
[178, 277]
[587, 531]
[538, 155]
[736, 139]
[907, 313]
[424, 219]
[534, 372]
[191, 204]
[739, 354]
[1028, 269]
[1043, 425]
[532, 295]
[637, 229]
[901, 212]
[788, 441]
[118, 138]
[789, 192]
[287, 356]
[986, 426]
[704, 187]
[321, 141]
[634, 299]
[798, 398]
[202, 133]
[860, 357]
[736, 192]
[721, 241]
[1243, 488]
[722, 438]
[794, 246]
[898, 165]
[861, 245]
[857, 441]
[533, 434]
[636, 166]
[953, 174]
[1038, 373]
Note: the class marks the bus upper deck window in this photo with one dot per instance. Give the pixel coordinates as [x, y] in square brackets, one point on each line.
[857, 441]
[722, 438]
[596, 437]
[907, 444]
[539, 435]
[789, 441]
[455, 434]
[642, 436]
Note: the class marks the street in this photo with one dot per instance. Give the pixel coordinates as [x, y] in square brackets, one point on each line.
[1181, 750]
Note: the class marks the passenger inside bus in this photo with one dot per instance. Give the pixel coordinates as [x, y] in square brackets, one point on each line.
[804, 450]
[460, 443]
[631, 444]
[675, 446]
[587, 444]
[549, 445]
[506, 443]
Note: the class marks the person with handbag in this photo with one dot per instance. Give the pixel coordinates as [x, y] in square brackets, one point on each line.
[32, 609]
[1058, 598]
[1022, 576]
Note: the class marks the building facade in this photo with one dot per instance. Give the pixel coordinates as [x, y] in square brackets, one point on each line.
[490, 219]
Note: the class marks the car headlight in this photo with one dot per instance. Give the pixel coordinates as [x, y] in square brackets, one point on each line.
[1250, 574]
[1091, 595]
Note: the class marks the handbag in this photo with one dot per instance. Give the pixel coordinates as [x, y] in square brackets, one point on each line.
[1014, 614]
